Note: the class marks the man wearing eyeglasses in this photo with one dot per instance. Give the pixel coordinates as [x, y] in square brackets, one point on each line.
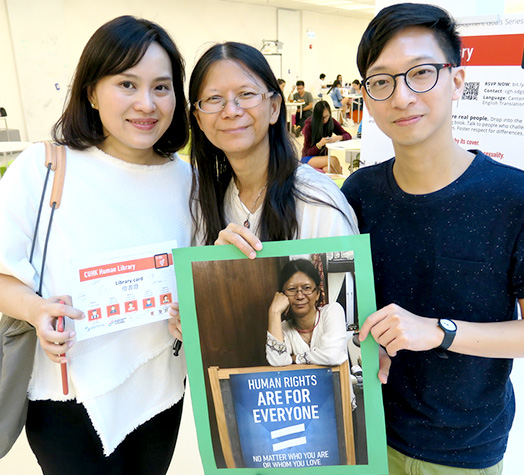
[447, 237]
[307, 109]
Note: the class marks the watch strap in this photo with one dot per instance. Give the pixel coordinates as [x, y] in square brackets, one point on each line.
[449, 335]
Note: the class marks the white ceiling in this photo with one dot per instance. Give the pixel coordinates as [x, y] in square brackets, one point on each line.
[356, 8]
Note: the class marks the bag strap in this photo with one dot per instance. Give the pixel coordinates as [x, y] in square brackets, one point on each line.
[53, 161]
[56, 157]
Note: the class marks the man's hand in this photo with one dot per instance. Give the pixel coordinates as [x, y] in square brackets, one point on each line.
[396, 329]
[384, 363]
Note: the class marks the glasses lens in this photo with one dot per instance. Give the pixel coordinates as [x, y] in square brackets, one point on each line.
[422, 78]
[380, 86]
[211, 104]
[247, 100]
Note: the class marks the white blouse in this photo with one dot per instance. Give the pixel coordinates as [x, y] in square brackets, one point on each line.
[328, 344]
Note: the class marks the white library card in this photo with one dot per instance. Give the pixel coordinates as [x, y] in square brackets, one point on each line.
[124, 289]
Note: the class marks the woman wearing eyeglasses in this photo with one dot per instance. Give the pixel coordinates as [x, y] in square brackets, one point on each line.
[310, 333]
[249, 186]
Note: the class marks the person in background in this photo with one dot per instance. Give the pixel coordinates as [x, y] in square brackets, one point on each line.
[307, 109]
[319, 130]
[447, 233]
[281, 85]
[310, 333]
[339, 78]
[321, 84]
[356, 87]
[124, 121]
[356, 102]
[339, 101]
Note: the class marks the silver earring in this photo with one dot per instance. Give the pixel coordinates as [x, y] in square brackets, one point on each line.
[92, 105]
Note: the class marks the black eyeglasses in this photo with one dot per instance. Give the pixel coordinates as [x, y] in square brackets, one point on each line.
[421, 78]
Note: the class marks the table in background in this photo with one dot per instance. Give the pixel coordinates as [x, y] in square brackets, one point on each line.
[350, 148]
[290, 107]
[358, 99]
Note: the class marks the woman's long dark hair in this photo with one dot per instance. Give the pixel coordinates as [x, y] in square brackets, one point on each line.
[212, 172]
[115, 47]
[336, 83]
[318, 128]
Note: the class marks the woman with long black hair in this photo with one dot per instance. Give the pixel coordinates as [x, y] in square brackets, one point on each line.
[320, 130]
[248, 184]
[339, 101]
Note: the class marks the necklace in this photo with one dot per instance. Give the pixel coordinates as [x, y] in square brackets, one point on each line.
[309, 330]
[247, 224]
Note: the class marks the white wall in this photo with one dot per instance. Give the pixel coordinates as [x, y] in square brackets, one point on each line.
[42, 41]
[334, 49]
[9, 93]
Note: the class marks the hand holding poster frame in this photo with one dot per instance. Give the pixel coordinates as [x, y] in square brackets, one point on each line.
[224, 299]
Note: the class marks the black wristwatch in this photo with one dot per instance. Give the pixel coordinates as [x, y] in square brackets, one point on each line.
[450, 330]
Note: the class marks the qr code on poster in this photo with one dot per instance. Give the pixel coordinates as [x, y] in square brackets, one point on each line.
[471, 91]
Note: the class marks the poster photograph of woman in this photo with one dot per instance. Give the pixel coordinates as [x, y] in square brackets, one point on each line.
[282, 370]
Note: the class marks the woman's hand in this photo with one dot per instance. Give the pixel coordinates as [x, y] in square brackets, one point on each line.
[323, 141]
[174, 323]
[241, 237]
[279, 305]
[44, 318]
[336, 138]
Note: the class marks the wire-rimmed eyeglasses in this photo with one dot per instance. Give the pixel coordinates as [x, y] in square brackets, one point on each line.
[306, 290]
[244, 100]
[420, 78]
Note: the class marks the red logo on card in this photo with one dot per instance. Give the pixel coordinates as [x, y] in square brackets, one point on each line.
[131, 306]
[161, 260]
[113, 309]
[148, 302]
[94, 314]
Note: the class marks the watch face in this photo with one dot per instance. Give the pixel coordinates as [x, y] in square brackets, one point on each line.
[448, 324]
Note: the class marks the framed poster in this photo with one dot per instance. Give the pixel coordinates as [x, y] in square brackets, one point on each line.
[262, 407]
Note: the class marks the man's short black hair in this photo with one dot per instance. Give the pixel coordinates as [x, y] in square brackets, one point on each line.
[322, 76]
[391, 20]
[300, 83]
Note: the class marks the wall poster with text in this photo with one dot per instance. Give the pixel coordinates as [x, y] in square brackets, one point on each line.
[309, 398]
[490, 114]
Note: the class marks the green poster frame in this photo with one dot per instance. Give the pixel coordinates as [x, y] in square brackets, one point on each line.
[374, 413]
